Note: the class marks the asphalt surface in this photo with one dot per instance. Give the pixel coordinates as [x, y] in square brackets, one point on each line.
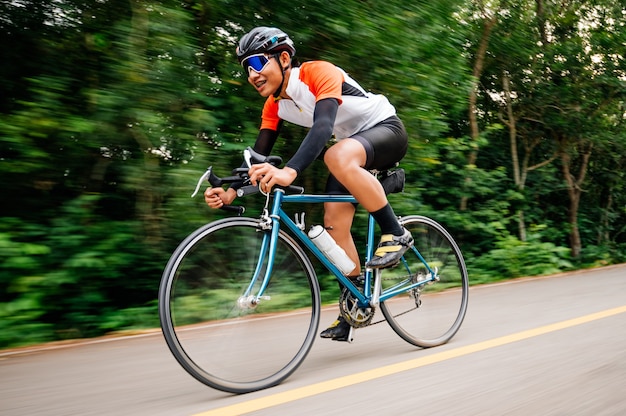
[542, 346]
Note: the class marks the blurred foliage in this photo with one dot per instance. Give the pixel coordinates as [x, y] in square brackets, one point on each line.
[111, 110]
[514, 258]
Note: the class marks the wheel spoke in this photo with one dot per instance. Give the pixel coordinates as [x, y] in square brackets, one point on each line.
[429, 314]
[210, 316]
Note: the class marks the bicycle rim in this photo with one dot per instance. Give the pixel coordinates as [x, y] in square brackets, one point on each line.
[216, 340]
[431, 315]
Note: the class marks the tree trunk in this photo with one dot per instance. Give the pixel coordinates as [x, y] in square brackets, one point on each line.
[148, 198]
[603, 231]
[541, 21]
[479, 63]
[574, 191]
[511, 123]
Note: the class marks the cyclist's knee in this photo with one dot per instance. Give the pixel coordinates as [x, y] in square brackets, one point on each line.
[347, 153]
[331, 158]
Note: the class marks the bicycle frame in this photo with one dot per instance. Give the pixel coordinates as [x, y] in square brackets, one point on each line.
[371, 295]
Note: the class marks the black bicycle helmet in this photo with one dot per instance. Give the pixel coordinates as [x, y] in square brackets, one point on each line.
[264, 39]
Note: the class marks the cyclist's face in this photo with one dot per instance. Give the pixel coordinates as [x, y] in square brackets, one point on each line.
[268, 80]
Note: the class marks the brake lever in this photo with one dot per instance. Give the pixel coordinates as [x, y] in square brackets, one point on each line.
[204, 177]
[247, 156]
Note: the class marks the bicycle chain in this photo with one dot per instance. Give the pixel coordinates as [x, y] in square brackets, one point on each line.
[367, 313]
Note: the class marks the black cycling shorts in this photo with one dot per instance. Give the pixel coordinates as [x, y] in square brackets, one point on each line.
[385, 145]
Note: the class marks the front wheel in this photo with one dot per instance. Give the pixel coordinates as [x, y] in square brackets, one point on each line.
[430, 314]
[219, 336]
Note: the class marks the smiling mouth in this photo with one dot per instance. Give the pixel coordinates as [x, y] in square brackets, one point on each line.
[260, 84]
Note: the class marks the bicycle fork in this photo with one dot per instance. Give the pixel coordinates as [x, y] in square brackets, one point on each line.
[268, 226]
[249, 300]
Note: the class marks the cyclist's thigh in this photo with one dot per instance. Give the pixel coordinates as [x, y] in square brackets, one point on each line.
[385, 144]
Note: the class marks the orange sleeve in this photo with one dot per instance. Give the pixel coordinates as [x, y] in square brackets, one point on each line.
[324, 79]
[269, 116]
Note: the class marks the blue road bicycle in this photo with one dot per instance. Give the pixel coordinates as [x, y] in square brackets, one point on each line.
[239, 300]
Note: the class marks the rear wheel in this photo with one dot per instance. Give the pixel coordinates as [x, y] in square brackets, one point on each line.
[431, 314]
[217, 335]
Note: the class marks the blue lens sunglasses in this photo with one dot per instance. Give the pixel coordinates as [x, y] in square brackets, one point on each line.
[256, 62]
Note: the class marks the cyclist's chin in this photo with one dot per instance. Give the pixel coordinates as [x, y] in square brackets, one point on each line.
[265, 89]
[265, 92]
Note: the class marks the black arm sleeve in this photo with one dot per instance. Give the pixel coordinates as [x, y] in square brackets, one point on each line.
[321, 131]
[265, 141]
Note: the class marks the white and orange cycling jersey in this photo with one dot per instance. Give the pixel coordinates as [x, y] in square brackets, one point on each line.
[359, 110]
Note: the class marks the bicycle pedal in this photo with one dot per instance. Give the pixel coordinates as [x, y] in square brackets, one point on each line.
[348, 338]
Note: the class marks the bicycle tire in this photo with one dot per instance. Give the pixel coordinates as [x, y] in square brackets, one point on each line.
[219, 343]
[431, 315]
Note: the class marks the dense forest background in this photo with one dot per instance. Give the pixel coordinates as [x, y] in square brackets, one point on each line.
[111, 109]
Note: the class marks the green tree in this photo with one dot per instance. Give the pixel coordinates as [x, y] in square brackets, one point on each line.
[110, 110]
[554, 80]
[86, 155]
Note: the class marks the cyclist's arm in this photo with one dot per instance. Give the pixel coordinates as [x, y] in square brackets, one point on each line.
[265, 140]
[322, 130]
[217, 197]
[264, 143]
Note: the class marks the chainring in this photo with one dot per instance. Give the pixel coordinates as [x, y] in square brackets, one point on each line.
[355, 316]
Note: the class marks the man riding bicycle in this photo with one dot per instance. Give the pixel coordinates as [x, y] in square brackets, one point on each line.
[324, 98]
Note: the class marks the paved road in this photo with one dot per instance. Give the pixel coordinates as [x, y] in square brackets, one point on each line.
[547, 346]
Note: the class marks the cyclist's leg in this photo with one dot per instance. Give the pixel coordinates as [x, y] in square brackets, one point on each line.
[377, 148]
[338, 218]
[346, 161]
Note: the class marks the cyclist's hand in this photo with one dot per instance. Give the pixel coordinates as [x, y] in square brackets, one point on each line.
[218, 197]
[267, 176]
